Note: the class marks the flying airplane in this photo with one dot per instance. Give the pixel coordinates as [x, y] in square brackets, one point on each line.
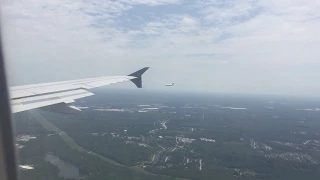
[58, 96]
[170, 84]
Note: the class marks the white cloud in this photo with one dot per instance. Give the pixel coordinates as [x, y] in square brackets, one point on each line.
[225, 12]
[215, 41]
[187, 21]
[151, 2]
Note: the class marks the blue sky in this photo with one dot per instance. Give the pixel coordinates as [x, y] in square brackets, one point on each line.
[243, 46]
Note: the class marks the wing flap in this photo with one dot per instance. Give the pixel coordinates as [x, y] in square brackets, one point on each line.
[28, 103]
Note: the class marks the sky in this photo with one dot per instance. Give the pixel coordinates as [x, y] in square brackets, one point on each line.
[239, 46]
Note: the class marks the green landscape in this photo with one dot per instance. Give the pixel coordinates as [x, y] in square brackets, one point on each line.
[134, 135]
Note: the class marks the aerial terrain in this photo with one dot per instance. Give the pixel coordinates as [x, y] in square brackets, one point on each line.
[140, 134]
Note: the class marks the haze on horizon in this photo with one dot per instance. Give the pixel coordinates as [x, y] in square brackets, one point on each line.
[241, 46]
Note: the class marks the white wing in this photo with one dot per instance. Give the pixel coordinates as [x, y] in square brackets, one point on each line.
[57, 96]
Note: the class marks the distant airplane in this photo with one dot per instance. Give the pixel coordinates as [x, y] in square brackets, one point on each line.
[170, 84]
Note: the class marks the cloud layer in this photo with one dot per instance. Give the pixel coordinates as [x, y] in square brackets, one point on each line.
[245, 46]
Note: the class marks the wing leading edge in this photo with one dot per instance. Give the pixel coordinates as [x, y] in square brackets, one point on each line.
[57, 96]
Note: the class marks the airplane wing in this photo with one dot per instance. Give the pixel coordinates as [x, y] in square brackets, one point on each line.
[57, 96]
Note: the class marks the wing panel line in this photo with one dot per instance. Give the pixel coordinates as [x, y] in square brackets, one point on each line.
[49, 93]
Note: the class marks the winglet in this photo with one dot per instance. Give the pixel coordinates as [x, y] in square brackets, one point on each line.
[138, 81]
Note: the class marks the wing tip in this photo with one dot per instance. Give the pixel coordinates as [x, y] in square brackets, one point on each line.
[138, 80]
[139, 72]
